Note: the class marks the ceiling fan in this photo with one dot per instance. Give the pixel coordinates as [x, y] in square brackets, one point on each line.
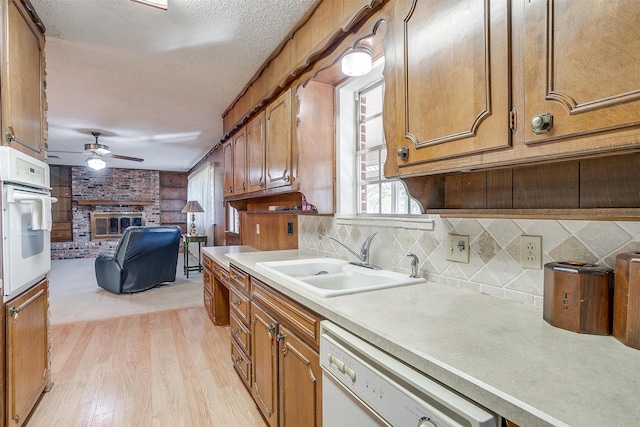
[103, 150]
[98, 151]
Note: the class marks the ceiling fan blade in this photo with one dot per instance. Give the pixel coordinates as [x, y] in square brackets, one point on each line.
[117, 156]
[66, 152]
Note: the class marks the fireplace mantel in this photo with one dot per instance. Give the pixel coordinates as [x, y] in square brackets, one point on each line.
[116, 202]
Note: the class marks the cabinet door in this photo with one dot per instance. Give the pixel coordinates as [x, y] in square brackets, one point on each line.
[447, 82]
[264, 363]
[581, 60]
[315, 139]
[239, 162]
[278, 141]
[22, 98]
[255, 153]
[27, 352]
[300, 382]
[227, 160]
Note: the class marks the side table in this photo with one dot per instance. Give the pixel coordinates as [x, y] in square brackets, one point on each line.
[186, 239]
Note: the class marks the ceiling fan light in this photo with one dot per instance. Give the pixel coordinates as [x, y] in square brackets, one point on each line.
[357, 63]
[96, 163]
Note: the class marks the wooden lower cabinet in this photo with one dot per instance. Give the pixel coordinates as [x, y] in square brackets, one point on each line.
[274, 350]
[27, 352]
[239, 312]
[300, 382]
[264, 363]
[216, 293]
[287, 381]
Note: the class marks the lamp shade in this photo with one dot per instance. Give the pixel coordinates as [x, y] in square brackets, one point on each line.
[192, 206]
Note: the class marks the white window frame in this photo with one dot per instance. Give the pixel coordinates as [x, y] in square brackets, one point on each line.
[346, 131]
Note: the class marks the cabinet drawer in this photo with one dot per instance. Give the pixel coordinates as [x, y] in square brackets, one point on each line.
[207, 280]
[241, 363]
[240, 333]
[239, 305]
[221, 273]
[61, 226]
[239, 277]
[208, 263]
[294, 316]
[208, 301]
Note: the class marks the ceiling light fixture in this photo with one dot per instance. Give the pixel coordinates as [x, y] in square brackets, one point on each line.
[357, 62]
[96, 163]
[160, 4]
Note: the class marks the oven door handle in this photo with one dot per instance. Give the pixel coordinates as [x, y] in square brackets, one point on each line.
[17, 196]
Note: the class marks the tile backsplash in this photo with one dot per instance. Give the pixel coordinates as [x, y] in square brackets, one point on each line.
[493, 267]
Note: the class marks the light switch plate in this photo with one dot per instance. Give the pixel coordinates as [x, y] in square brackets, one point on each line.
[458, 248]
[531, 252]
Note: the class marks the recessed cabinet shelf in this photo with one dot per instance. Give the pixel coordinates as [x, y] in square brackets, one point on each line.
[116, 202]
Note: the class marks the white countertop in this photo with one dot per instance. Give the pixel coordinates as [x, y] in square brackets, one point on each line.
[499, 353]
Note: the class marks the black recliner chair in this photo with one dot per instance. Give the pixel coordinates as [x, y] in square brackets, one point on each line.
[146, 256]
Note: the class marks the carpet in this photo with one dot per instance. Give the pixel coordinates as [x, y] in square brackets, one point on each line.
[74, 294]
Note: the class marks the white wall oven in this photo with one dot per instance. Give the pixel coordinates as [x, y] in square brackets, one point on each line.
[26, 221]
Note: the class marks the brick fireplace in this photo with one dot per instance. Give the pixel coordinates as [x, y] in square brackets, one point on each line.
[116, 191]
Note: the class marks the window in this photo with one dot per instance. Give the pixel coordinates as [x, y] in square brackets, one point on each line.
[362, 149]
[233, 219]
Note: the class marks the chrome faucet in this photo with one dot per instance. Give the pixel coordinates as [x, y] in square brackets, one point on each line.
[414, 265]
[363, 256]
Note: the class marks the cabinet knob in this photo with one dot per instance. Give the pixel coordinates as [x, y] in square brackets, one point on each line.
[261, 184]
[403, 153]
[542, 123]
[280, 337]
[272, 329]
[286, 178]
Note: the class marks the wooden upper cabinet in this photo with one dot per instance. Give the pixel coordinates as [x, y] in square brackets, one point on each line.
[581, 64]
[448, 80]
[278, 141]
[239, 141]
[315, 169]
[227, 160]
[23, 78]
[255, 153]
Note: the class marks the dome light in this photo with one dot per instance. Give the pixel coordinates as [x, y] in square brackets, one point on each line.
[357, 62]
[96, 163]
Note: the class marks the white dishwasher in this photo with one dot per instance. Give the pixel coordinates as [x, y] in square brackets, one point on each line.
[363, 386]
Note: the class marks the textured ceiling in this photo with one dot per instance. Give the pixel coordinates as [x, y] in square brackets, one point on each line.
[154, 82]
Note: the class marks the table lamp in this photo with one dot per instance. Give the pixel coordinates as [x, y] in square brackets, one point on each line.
[192, 207]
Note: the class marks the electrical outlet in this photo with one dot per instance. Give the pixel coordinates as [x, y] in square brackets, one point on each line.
[531, 252]
[458, 249]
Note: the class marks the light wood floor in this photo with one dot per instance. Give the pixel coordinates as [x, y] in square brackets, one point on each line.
[169, 368]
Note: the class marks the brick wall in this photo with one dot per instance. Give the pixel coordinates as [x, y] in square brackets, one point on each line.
[107, 184]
